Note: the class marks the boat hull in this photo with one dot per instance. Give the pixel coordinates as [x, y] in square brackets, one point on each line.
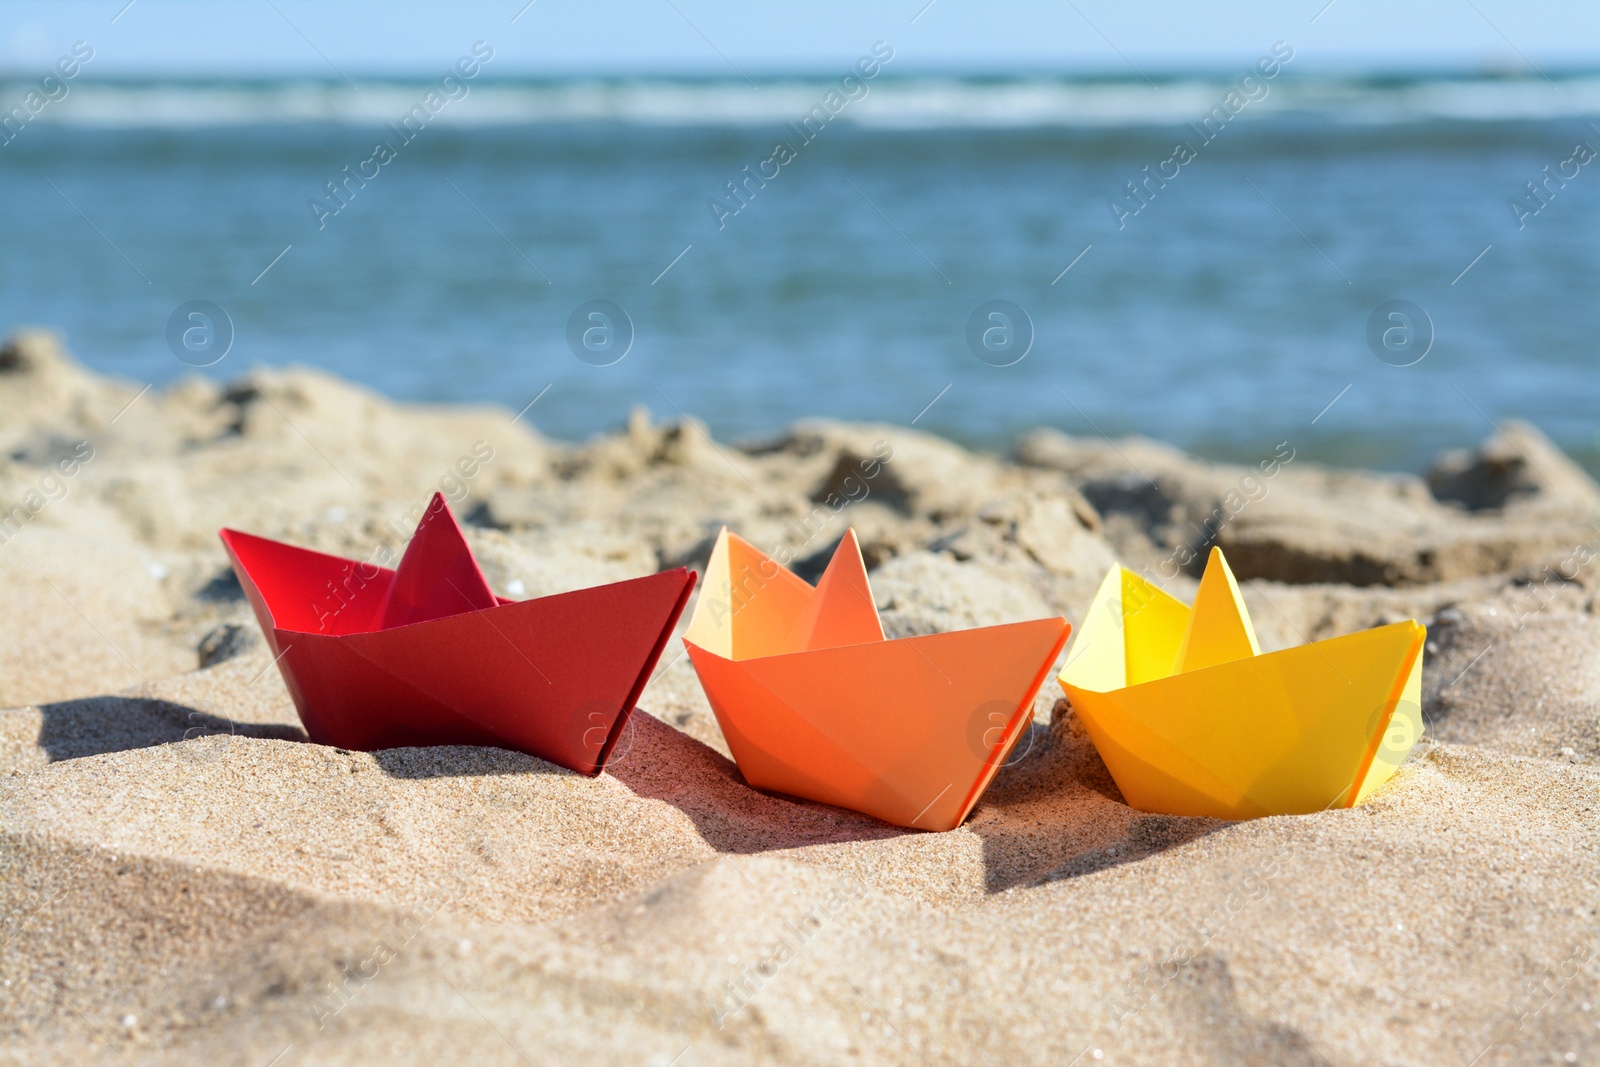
[910, 731]
[555, 677]
[1284, 733]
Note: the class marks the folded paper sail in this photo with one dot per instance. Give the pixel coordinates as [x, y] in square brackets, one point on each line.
[815, 703]
[426, 655]
[1192, 718]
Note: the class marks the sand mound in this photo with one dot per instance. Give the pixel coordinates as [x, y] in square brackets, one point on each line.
[183, 878]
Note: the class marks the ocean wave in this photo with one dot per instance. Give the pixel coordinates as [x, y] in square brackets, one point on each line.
[891, 102]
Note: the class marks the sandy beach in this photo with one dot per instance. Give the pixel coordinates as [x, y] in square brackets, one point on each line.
[184, 878]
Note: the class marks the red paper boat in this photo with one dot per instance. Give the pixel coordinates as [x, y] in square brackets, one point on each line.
[426, 655]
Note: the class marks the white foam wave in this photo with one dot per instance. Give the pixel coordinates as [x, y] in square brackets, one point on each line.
[889, 103]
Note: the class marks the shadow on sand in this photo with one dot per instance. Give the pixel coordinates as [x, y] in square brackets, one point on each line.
[72, 729]
[1051, 812]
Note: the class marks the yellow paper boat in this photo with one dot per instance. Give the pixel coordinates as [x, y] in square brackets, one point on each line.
[1192, 719]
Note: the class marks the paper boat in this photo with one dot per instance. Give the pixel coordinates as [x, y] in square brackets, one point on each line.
[426, 655]
[815, 703]
[1192, 718]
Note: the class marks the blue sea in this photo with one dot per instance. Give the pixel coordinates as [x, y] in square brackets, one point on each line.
[1371, 268]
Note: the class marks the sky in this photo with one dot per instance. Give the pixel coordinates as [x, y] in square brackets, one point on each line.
[268, 38]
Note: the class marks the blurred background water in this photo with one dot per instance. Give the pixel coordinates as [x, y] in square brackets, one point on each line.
[1225, 316]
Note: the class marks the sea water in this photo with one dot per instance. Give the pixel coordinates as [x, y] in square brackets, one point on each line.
[1224, 280]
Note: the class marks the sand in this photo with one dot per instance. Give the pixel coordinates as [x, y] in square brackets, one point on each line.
[183, 878]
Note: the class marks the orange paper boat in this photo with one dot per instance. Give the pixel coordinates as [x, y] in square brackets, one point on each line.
[816, 703]
[1192, 718]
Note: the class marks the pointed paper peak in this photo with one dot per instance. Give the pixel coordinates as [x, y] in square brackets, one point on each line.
[748, 603]
[751, 605]
[710, 627]
[1219, 629]
[841, 610]
[1152, 623]
[437, 575]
